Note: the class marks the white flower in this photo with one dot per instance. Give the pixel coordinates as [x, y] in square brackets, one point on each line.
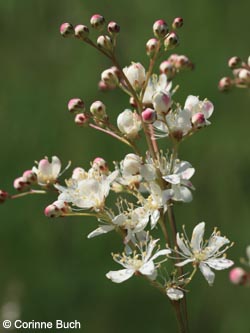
[155, 85]
[174, 294]
[136, 75]
[180, 181]
[142, 262]
[129, 123]
[47, 173]
[194, 105]
[205, 255]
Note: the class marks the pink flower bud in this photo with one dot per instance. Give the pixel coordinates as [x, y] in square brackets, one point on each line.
[81, 119]
[238, 276]
[149, 116]
[113, 28]
[20, 184]
[3, 196]
[29, 177]
[160, 28]
[67, 30]
[244, 75]
[105, 42]
[75, 105]
[173, 58]
[97, 22]
[133, 102]
[234, 62]
[151, 46]
[168, 69]
[177, 23]
[101, 165]
[182, 62]
[198, 119]
[57, 209]
[81, 31]
[162, 102]
[105, 86]
[171, 41]
[225, 84]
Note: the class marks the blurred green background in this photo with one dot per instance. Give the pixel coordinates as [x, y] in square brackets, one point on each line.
[48, 267]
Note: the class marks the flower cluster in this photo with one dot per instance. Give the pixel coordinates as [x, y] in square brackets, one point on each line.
[241, 74]
[147, 184]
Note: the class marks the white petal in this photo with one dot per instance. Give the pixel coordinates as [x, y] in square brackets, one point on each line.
[163, 252]
[182, 245]
[207, 273]
[191, 101]
[101, 230]
[207, 108]
[215, 243]
[148, 268]
[120, 276]
[172, 179]
[155, 215]
[56, 166]
[220, 263]
[175, 294]
[119, 219]
[150, 248]
[197, 236]
[182, 193]
[182, 263]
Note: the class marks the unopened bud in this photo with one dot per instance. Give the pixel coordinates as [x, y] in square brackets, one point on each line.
[149, 116]
[97, 22]
[113, 28]
[101, 165]
[160, 28]
[151, 46]
[105, 42]
[57, 209]
[225, 84]
[234, 62]
[110, 76]
[173, 58]
[171, 41]
[182, 62]
[238, 276]
[3, 196]
[133, 102]
[81, 119]
[98, 110]
[67, 30]
[75, 105]
[168, 69]
[244, 75]
[198, 119]
[20, 184]
[162, 102]
[29, 177]
[81, 31]
[177, 23]
[104, 86]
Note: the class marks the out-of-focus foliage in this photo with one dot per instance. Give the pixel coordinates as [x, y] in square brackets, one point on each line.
[48, 266]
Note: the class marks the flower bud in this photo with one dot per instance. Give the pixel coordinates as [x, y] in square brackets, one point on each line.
[238, 276]
[67, 30]
[113, 28]
[173, 58]
[57, 209]
[160, 28]
[97, 22]
[168, 69]
[129, 123]
[151, 46]
[162, 102]
[101, 165]
[98, 110]
[136, 75]
[225, 84]
[234, 62]
[171, 41]
[20, 184]
[177, 23]
[244, 75]
[75, 105]
[105, 42]
[81, 119]
[3, 196]
[133, 102]
[110, 77]
[182, 62]
[149, 116]
[131, 164]
[29, 177]
[104, 86]
[198, 120]
[81, 31]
